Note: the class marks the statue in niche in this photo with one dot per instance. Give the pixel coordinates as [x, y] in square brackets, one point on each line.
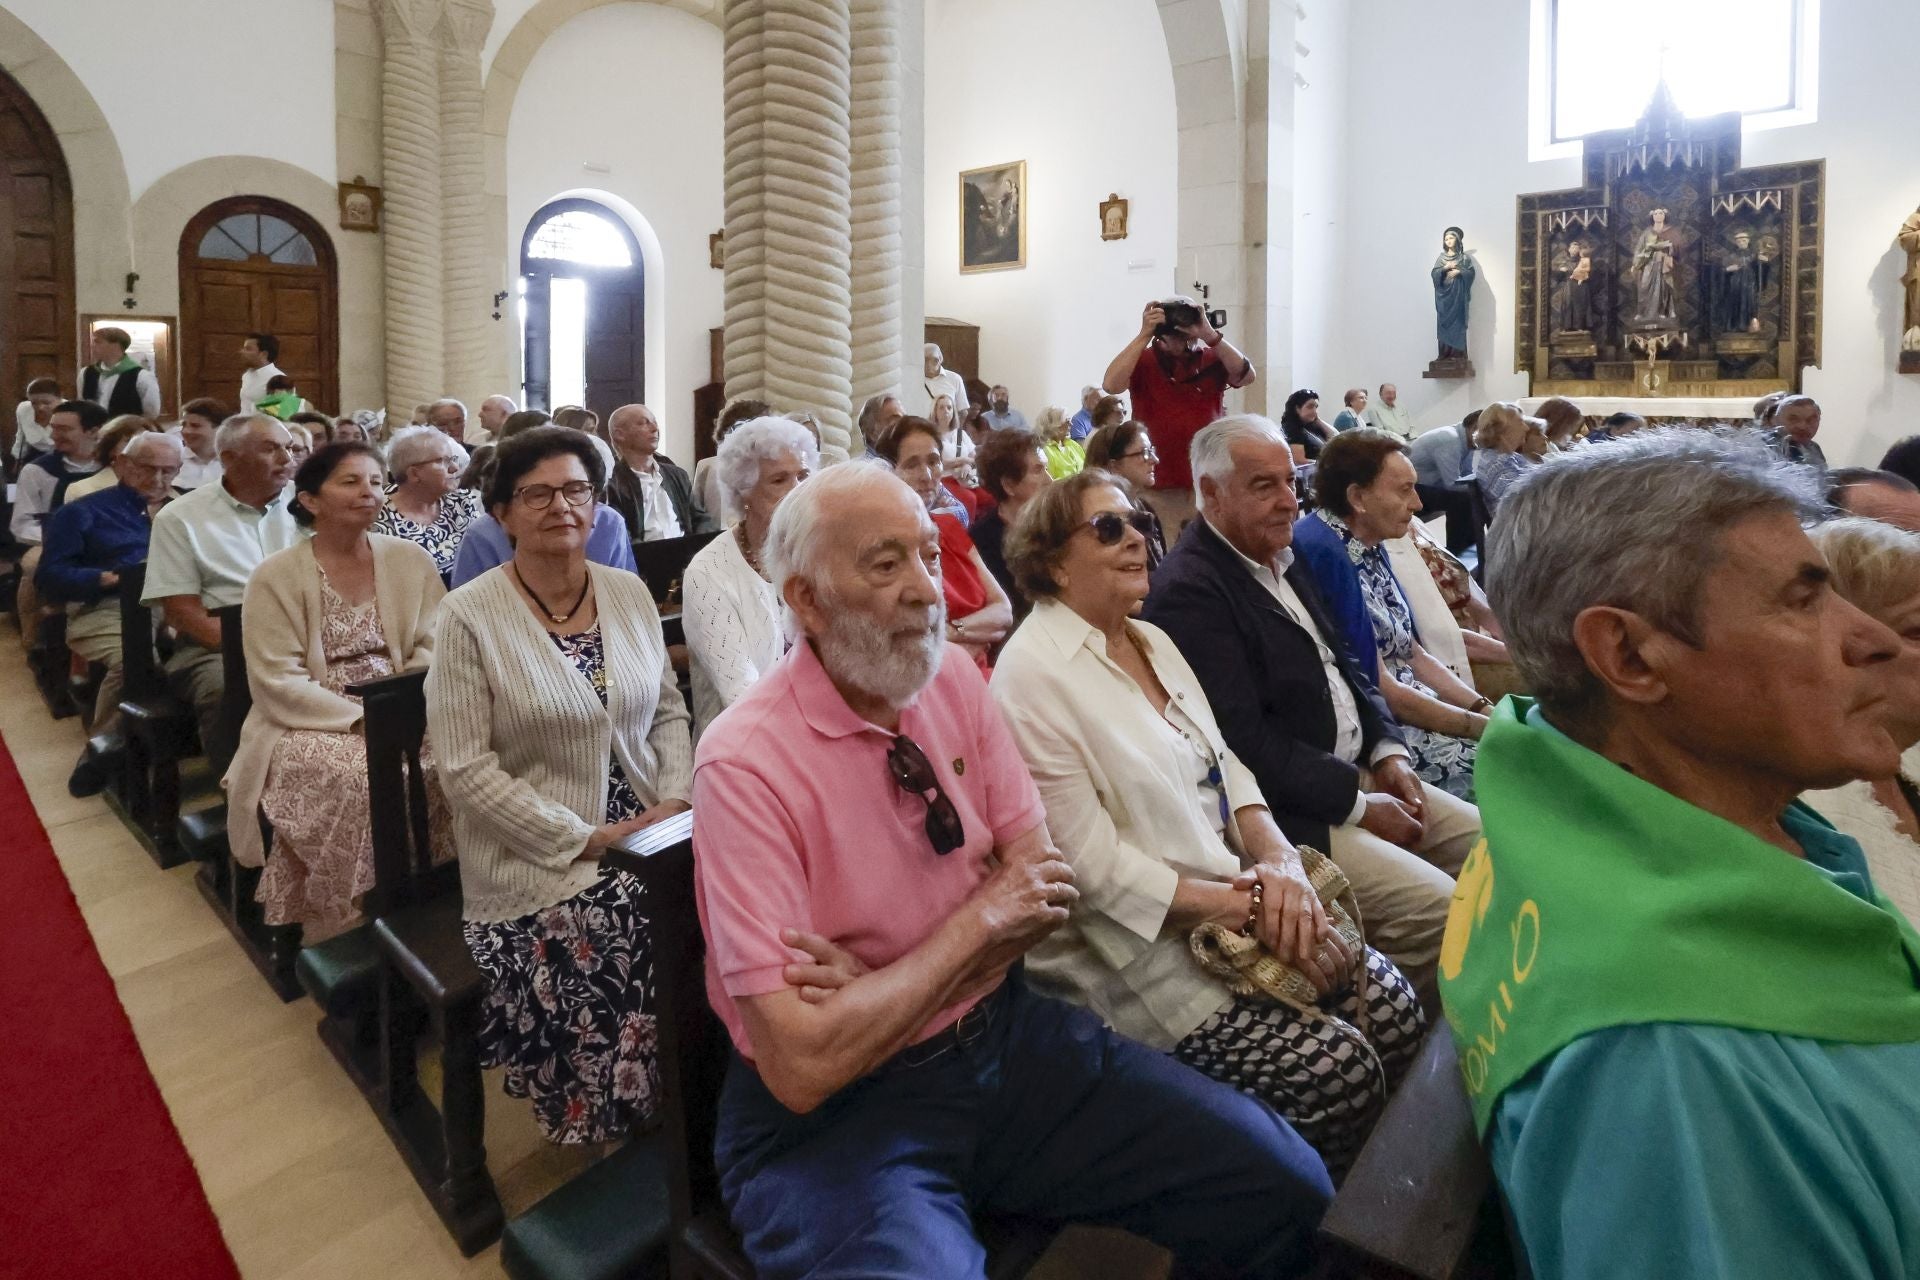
[1910, 241]
[1453, 273]
[1653, 259]
[1743, 277]
[1572, 301]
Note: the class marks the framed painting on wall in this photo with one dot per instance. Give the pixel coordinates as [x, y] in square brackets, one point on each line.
[993, 217]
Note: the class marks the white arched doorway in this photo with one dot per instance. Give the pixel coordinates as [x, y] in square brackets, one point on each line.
[583, 287]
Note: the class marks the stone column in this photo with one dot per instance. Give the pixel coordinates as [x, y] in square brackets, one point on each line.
[876, 214]
[789, 307]
[468, 290]
[410, 169]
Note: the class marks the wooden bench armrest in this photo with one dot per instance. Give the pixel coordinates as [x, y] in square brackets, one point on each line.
[1413, 1200]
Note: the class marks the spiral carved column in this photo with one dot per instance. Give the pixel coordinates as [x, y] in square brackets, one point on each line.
[410, 159]
[876, 216]
[469, 281]
[789, 305]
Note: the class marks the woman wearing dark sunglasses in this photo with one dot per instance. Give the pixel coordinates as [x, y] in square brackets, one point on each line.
[1166, 831]
[1125, 449]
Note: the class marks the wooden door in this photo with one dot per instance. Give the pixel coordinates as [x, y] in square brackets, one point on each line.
[616, 345]
[254, 265]
[38, 337]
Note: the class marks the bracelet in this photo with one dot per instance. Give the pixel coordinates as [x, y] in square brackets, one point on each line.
[1253, 911]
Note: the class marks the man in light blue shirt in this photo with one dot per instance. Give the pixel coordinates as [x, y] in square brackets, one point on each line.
[1000, 414]
[1080, 425]
[484, 545]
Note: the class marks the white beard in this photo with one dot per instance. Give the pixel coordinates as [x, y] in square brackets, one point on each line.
[881, 661]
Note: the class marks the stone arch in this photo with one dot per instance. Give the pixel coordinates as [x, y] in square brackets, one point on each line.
[165, 208]
[510, 63]
[102, 217]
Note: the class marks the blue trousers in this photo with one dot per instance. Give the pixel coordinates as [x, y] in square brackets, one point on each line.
[1042, 1113]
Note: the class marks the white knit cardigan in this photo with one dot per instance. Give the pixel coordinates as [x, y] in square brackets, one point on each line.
[733, 620]
[521, 743]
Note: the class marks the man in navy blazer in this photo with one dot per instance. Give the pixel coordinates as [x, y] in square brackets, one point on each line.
[1313, 728]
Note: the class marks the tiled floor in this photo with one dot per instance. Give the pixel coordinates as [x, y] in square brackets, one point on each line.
[303, 1178]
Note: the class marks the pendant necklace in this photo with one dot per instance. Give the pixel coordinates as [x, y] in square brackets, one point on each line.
[559, 619]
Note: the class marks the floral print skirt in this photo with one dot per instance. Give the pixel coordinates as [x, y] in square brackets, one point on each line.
[569, 1010]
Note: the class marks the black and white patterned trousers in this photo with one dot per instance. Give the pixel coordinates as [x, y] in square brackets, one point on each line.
[1316, 1073]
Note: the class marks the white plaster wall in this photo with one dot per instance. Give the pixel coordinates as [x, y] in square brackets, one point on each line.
[1083, 92]
[634, 92]
[1440, 139]
[1321, 171]
[187, 79]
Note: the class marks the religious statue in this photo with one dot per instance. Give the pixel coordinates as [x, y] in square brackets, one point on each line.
[1653, 272]
[1453, 273]
[1910, 241]
[1743, 276]
[1572, 294]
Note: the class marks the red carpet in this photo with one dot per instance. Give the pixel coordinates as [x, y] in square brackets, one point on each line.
[94, 1182]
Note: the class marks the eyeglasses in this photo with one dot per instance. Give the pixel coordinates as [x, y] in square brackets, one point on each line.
[915, 776]
[1147, 453]
[539, 497]
[1110, 526]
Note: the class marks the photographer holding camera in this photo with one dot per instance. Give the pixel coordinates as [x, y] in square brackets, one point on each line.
[1177, 369]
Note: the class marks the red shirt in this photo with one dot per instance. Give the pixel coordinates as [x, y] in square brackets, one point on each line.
[801, 825]
[1174, 399]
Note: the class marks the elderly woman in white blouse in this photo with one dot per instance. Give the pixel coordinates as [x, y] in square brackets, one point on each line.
[1876, 568]
[729, 607]
[1167, 831]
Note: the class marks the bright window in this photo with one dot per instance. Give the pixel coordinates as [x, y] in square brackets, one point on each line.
[575, 235]
[1607, 57]
[567, 374]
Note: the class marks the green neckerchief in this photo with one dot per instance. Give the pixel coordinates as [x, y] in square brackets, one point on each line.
[1598, 900]
[127, 365]
[281, 404]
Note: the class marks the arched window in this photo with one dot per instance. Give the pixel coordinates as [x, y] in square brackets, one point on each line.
[1606, 57]
[582, 289]
[248, 235]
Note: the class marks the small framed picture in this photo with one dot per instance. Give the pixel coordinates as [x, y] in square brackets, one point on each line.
[1113, 218]
[717, 250]
[359, 205]
[993, 217]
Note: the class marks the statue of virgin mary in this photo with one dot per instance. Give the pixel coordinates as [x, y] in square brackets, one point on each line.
[1453, 273]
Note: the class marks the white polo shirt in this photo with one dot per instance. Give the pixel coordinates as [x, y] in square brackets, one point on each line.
[207, 543]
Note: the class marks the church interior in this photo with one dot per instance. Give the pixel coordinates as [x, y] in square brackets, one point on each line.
[1645, 215]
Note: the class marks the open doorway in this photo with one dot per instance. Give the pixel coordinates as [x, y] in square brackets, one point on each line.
[583, 303]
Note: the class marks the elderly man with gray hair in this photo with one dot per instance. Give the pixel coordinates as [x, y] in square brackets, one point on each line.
[871, 861]
[1689, 1025]
[205, 546]
[88, 542]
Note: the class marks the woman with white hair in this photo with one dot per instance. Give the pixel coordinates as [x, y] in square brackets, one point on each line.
[425, 504]
[729, 606]
[1065, 455]
[1507, 444]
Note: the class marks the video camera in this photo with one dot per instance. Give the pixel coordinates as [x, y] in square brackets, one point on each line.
[1183, 313]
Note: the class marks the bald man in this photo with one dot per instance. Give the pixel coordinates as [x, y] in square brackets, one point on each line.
[1876, 495]
[654, 496]
[494, 412]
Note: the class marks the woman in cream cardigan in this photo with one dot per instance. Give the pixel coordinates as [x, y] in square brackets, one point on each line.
[345, 606]
[558, 728]
[1167, 831]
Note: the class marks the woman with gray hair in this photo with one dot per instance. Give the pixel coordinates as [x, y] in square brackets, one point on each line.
[730, 608]
[425, 504]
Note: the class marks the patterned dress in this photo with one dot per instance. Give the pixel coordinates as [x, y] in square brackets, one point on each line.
[570, 988]
[1438, 758]
[315, 797]
[441, 539]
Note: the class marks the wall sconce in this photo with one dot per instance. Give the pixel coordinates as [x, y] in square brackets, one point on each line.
[498, 299]
[133, 278]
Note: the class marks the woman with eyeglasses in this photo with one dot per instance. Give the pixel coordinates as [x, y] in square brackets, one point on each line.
[342, 607]
[425, 503]
[1126, 450]
[1167, 831]
[558, 729]
[979, 615]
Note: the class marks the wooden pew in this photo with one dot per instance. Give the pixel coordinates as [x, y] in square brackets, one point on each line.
[662, 565]
[694, 1051]
[50, 660]
[228, 887]
[160, 732]
[1416, 1205]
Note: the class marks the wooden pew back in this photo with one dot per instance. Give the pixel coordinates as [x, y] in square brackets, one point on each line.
[396, 728]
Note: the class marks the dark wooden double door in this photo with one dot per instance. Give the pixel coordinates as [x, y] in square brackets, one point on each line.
[38, 336]
[254, 265]
[615, 338]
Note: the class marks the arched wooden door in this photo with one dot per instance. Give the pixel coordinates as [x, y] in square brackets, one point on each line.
[253, 265]
[38, 337]
[585, 292]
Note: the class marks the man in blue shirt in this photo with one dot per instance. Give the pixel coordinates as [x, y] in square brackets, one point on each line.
[87, 544]
[1080, 425]
[485, 545]
[1440, 458]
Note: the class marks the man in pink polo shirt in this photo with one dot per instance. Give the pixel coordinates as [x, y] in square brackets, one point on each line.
[871, 861]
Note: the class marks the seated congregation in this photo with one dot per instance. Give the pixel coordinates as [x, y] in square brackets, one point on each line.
[1062, 853]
